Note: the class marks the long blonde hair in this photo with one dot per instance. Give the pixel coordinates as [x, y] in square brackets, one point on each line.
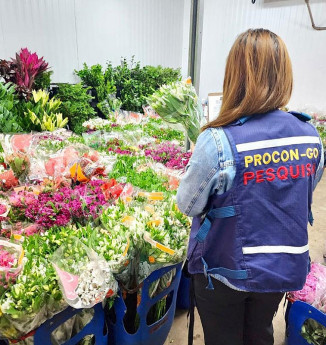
[258, 77]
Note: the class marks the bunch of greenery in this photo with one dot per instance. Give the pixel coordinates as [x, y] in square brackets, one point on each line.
[75, 105]
[136, 83]
[43, 113]
[95, 78]
[43, 81]
[9, 118]
[130, 82]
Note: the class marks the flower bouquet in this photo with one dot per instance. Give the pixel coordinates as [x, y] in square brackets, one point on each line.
[178, 103]
[11, 260]
[314, 290]
[85, 278]
[19, 164]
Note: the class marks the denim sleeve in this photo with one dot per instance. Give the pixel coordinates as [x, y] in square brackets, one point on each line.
[202, 176]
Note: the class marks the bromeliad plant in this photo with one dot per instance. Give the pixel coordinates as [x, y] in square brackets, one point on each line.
[22, 71]
[43, 113]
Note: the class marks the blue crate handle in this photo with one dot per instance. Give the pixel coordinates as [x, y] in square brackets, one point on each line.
[95, 327]
[157, 332]
[299, 313]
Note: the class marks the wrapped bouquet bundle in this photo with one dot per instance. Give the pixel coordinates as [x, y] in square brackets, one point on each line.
[35, 296]
[157, 230]
[85, 278]
[178, 103]
[42, 288]
[314, 291]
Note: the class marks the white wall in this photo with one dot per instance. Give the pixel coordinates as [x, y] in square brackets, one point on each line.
[70, 32]
[225, 19]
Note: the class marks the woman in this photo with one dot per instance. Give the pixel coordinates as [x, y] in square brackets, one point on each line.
[249, 188]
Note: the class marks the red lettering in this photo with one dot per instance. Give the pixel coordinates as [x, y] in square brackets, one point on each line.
[270, 174]
[314, 169]
[247, 176]
[285, 175]
[296, 175]
[308, 168]
[303, 172]
[259, 176]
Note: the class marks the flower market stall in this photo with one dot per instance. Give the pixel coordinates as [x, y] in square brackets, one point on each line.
[86, 217]
[102, 216]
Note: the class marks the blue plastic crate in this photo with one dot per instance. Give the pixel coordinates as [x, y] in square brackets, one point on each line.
[97, 327]
[299, 312]
[146, 334]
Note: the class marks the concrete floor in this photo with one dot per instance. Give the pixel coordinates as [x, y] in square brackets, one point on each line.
[317, 233]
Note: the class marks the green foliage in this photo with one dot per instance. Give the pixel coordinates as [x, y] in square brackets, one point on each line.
[131, 83]
[322, 132]
[43, 113]
[43, 81]
[136, 83]
[146, 179]
[75, 105]
[102, 83]
[314, 332]
[91, 76]
[9, 120]
[94, 77]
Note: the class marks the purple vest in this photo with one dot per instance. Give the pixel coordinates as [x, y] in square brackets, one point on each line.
[255, 234]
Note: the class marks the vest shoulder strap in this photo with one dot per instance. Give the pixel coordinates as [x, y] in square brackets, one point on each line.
[301, 116]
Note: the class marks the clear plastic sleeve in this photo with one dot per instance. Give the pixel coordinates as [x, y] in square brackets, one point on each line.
[85, 278]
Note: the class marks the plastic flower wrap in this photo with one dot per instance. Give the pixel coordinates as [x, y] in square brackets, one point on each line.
[178, 103]
[15, 143]
[19, 164]
[96, 124]
[11, 263]
[169, 154]
[166, 235]
[157, 231]
[59, 207]
[85, 278]
[35, 296]
[314, 290]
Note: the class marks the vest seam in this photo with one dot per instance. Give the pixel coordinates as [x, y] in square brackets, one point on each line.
[240, 232]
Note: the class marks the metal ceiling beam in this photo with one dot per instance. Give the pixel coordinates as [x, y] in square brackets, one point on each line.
[312, 19]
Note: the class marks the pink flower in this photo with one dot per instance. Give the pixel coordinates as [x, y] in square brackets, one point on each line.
[3, 209]
[6, 259]
[32, 230]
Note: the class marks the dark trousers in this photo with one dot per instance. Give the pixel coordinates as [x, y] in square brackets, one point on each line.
[231, 317]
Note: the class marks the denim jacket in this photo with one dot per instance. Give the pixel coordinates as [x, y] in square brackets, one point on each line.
[211, 169]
